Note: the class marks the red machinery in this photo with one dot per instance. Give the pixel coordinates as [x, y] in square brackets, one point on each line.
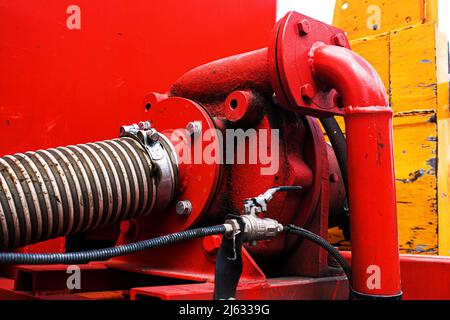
[84, 191]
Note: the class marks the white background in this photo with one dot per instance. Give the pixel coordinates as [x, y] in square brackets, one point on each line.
[323, 10]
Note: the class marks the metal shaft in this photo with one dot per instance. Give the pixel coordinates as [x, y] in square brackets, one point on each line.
[62, 191]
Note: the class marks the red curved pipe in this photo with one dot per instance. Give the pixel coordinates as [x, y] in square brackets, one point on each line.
[368, 121]
[221, 77]
[350, 74]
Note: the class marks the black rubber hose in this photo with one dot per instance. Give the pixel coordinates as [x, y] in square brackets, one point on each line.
[324, 244]
[107, 253]
[339, 145]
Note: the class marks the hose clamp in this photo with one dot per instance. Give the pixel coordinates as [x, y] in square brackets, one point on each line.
[163, 158]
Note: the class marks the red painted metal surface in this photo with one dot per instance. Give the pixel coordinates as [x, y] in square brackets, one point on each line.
[423, 277]
[98, 62]
[198, 181]
[61, 86]
[332, 288]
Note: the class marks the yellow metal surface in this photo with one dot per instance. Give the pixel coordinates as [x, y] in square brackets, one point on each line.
[412, 59]
[413, 68]
[371, 17]
[376, 51]
[415, 150]
[443, 121]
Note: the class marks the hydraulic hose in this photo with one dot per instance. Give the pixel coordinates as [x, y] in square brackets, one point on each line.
[228, 271]
[339, 145]
[325, 245]
[107, 253]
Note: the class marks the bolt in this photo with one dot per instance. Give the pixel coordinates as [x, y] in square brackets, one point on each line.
[334, 178]
[212, 244]
[194, 127]
[340, 40]
[303, 27]
[130, 229]
[184, 208]
[145, 125]
[153, 135]
[128, 226]
[132, 129]
[307, 91]
[140, 136]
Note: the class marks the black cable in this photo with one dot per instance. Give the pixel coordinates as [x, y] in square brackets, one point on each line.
[324, 244]
[339, 145]
[107, 253]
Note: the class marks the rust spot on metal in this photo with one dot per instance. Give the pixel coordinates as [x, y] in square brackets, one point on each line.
[433, 164]
[432, 119]
[414, 112]
[413, 176]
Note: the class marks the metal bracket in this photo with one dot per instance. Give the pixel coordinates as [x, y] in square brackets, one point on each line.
[229, 262]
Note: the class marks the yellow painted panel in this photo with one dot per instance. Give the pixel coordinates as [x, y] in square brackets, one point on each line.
[443, 118]
[371, 17]
[415, 148]
[431, 11]
[376, 51]
[417, 72]
[413, 68]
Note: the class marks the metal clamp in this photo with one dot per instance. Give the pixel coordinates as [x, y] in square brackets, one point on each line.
[163, 157]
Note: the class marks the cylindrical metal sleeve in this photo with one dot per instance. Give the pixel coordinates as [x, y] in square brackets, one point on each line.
[61, 191]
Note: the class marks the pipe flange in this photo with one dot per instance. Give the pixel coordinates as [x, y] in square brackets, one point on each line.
[296, 88]
[198, 181]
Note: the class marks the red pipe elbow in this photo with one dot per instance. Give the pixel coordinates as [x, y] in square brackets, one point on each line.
[368, 120]
[351, 75]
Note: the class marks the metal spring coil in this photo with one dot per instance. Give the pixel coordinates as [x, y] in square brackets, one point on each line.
[61, 191]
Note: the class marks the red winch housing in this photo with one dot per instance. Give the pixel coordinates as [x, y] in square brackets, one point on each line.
[307, 72]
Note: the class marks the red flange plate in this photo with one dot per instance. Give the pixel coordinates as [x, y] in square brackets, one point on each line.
[290, 70]
[200, 180]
